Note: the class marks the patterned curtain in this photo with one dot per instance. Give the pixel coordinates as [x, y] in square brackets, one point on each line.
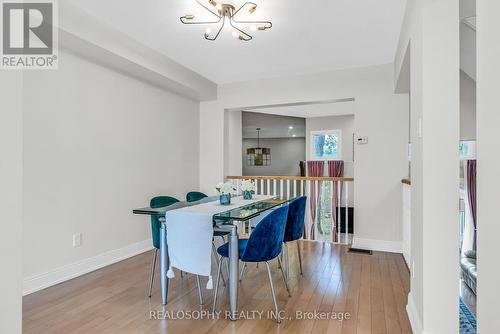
[335, 169]
[471, 193]
[314, 168]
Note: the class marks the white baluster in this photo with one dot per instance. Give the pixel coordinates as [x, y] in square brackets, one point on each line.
[281, 187]
[275, 191]
[268, 188]
[289, 191]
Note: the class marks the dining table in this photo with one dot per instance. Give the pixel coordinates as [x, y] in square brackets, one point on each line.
[225, 220]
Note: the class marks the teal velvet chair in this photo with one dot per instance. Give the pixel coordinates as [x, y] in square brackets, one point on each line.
[158, 202]
[194, 196]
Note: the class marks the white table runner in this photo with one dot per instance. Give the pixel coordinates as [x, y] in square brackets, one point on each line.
[190, 232]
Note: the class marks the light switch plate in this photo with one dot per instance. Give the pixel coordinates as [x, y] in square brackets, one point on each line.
[362, 140]
[77, 240]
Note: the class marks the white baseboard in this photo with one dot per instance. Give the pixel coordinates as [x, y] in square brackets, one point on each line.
[415, 321]
[377, 245]
[58, 275]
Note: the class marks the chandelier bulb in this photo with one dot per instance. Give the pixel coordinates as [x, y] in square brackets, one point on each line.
[235, 34]
[252, 9]
[213, 2]
[189, 16]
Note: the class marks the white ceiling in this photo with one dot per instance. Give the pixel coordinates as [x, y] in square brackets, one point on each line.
[272, 126]
[275, 122]
[307, 36]
[468, 39]
[311, 110]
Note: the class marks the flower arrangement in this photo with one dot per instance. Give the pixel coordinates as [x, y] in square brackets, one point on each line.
[248, 187]
[225, 188]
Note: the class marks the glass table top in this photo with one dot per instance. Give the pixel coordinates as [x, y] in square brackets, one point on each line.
[252, 210]
[240, 213]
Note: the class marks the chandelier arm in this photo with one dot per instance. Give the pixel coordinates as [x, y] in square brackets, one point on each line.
[246, 3]
[268, 23]
[186, 21]
[249, 37]
[218, 32]
[202, 5]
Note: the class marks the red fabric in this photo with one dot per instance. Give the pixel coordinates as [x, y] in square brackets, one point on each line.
[471, 189]
[335, 169]
[315, 169]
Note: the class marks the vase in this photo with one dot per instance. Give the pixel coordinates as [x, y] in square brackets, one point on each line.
[225, 199]
[247, 194]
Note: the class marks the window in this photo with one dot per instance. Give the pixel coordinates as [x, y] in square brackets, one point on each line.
[467, 149]
[326, 145]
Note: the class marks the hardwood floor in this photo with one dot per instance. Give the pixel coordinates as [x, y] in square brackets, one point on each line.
[372, 289]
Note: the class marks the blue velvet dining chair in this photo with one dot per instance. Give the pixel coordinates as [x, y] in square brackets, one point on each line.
[294, 229]
[159, 202]
[264, 244]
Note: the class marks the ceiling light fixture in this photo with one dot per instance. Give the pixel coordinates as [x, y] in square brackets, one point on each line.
[258, 156]
[228, 12]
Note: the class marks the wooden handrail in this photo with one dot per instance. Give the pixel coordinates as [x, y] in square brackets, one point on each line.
[282, 177]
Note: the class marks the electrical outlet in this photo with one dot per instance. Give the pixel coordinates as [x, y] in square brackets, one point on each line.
[77, 240]
[413, 269]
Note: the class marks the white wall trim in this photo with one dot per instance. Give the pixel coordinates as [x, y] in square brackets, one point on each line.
[61, 274]
[415, 321]
[378, 245]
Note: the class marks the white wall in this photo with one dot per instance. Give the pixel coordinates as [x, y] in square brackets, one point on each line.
[286, 153]
[467, 107]
[488, 165]
[233, 144]
[11, 146]
[344, 123]
[380, 114]
[431, 31]
[98, 144]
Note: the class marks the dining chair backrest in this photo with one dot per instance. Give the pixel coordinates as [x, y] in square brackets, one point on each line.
[194, 196]
[159, 202]
[266, 240]
[295, 222]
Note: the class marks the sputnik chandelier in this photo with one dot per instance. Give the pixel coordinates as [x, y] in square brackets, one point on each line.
[227, 12]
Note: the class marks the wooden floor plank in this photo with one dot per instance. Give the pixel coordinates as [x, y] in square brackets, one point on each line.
[372, 290]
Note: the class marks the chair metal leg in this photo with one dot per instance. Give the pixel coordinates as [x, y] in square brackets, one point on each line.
[214, 250]
[199, 289]
[219, 269]
[284, 278]
[300, 257]
[243, 269]
[222, 275]
[152, 276]
[287, 261]
[278, 320]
